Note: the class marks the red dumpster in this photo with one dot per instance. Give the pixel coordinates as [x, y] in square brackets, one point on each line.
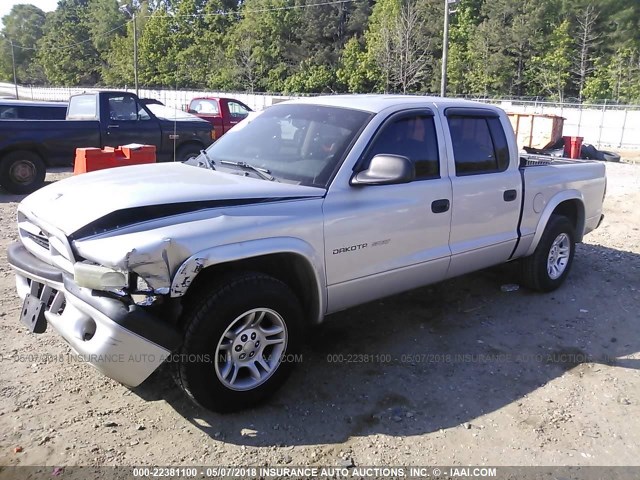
[572, 146]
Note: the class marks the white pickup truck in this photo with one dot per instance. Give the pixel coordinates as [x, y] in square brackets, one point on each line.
[307, 208]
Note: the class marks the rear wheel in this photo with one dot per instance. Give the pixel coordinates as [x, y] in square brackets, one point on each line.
[240, 337]
[22, 172]
[548, 266]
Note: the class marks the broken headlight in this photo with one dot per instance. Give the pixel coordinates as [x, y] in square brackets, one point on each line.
[97, 277]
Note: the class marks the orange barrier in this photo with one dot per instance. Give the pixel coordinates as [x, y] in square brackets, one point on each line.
[91, 159]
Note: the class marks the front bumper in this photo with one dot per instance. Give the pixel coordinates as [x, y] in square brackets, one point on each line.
[124, 342]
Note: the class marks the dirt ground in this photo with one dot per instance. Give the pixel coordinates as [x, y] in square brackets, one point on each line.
[465, 374]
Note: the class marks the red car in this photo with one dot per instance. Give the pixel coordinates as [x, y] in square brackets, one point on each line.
[223, 113]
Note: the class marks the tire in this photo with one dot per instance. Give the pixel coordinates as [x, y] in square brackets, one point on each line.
[610, 156]
[187, 152]
[548, 266]
[22, 172]
[589, 152]
[226, 364]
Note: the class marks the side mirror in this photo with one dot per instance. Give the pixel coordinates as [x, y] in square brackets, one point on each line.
[386, 170]
[192, 111]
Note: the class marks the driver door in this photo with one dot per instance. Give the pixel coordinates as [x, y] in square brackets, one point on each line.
[125, 121]
[384, 239]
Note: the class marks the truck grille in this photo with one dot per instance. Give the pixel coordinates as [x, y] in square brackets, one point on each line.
[41, 240]
[52, 249]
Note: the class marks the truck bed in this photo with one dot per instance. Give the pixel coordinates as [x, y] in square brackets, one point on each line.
[56, 140]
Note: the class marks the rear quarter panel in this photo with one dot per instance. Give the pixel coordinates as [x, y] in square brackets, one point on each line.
[548, 186]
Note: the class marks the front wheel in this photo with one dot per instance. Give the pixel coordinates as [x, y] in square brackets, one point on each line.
[548, 266]
[22, 172]
[241, 336]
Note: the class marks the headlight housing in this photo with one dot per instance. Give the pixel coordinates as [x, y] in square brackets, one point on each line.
[97, 277]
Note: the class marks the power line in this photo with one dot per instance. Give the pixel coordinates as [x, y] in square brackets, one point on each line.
[196, 15]
[65, 47]
[262, 10]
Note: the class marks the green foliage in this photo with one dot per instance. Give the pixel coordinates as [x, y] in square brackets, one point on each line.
[310, 79]
[357, 70]
[496, 47]
[617, 79]
[551, 69]
[463, 25]
[158, 50]
[22, 27]
[66, 51]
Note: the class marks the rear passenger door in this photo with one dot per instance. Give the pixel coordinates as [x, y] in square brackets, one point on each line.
[487, 191]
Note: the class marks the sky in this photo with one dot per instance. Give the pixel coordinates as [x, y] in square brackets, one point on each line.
[46, 5]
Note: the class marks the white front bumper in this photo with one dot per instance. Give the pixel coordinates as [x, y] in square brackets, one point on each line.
[115, 351]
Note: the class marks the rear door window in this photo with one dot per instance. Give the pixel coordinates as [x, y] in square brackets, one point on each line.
[479, 144]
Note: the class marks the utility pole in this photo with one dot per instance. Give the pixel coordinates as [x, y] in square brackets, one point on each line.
[13, 61]
[132, 14]
[445, 48]
[135, 52]
[13, 64]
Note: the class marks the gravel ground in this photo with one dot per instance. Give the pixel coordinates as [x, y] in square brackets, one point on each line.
[458, 373]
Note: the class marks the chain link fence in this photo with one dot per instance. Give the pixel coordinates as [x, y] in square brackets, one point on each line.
[602, 125]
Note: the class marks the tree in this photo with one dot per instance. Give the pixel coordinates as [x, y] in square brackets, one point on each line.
[463, 25]
[66, 51]
[586, 41]
[616, 79]
[551, 69]
[119, 70]
[23, 27]
[409, 49]
[275, 41]
[105, 21]
[158, 50]
[357, 72]
[525, 39]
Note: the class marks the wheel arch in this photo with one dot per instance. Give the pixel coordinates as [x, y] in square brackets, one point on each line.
[26, 147]
[291, 261]
[570, 204]
[191, 143]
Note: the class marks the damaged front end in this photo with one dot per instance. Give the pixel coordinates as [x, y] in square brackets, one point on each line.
[112, 308]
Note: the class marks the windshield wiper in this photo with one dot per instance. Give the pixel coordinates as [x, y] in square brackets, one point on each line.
[261, 172]
[210, 162]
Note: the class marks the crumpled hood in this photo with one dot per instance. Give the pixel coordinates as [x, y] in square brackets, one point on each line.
[76, 202]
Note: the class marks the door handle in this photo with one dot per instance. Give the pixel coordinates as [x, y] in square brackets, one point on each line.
[509, 195]
[440, 206]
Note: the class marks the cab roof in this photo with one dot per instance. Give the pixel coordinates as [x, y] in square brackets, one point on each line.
[377, 103]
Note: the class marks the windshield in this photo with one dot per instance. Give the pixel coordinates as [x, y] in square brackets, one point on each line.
[300, 144]
[168, 113]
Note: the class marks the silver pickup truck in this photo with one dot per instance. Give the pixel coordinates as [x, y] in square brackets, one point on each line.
[307, 208]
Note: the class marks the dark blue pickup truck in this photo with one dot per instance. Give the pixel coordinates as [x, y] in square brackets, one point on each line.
[108, 118]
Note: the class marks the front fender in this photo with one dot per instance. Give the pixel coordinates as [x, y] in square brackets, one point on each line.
[548, 211]
[192, 266]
